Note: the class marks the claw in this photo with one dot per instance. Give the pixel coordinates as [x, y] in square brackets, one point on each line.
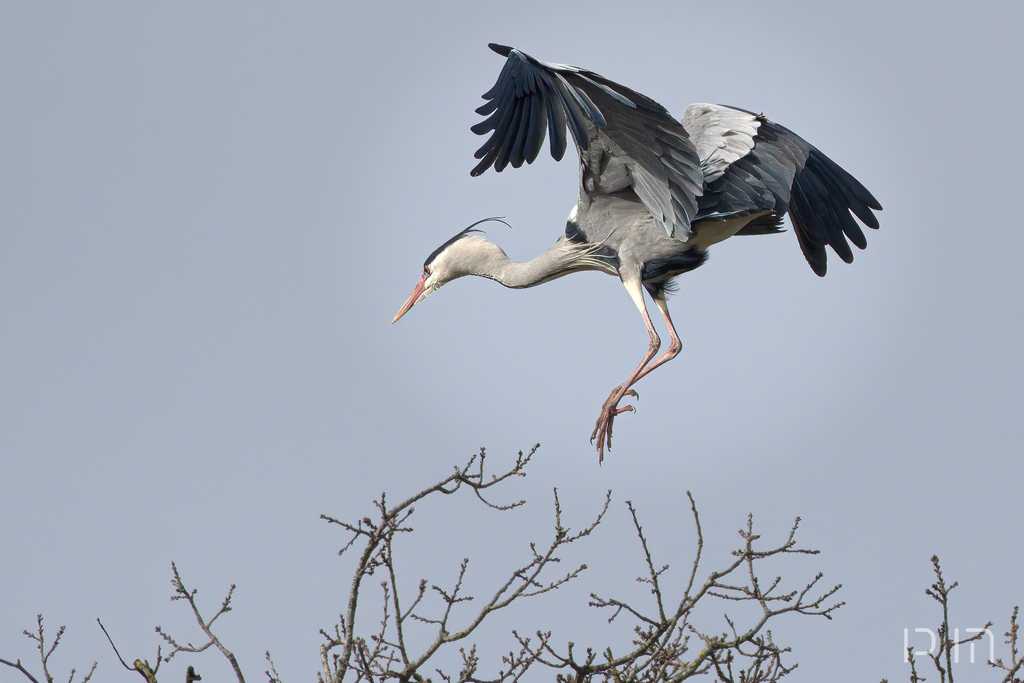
[603, 429]
[605, 422]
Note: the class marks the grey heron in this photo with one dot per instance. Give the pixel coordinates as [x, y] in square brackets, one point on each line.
[654, 193]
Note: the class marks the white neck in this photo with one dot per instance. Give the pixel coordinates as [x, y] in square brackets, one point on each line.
[487, 259]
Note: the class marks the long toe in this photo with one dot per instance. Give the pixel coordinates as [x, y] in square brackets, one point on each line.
[604, 440]
[602, 433]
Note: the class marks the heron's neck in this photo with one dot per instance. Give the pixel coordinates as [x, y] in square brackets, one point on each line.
[562, 258]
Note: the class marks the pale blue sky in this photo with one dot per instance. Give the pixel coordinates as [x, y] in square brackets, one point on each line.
[210, 212]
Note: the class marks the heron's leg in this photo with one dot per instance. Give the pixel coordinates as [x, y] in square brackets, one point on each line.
[674, 346]
[603, 429]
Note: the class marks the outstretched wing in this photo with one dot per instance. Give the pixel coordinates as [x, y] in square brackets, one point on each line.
[752, 164]
[532, 98]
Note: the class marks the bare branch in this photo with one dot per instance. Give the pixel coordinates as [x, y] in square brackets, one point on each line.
[661, 644]
[17, 665]
[653, 574]
[390, 645]
[1016, 664]
[944, 658]
[44, 655]
[378, 536]
[272, 675]
[111, 641]
[182, 593]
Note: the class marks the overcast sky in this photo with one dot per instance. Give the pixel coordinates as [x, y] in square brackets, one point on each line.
[210, 212]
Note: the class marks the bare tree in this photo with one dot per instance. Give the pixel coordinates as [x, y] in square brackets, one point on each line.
[944, 657]
[662, 631]
[423, 627]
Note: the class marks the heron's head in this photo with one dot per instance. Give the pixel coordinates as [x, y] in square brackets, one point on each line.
[456, 258]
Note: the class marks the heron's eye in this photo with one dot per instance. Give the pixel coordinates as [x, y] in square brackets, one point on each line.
[426, 270]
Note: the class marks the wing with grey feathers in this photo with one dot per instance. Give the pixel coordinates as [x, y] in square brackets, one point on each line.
[752, 164]
[532, 98]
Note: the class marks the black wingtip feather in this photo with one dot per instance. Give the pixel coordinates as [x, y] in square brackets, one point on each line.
[503, 50]
[487, 108]
[824, 195]
[538, 126]
[853, 231]
[516, 154]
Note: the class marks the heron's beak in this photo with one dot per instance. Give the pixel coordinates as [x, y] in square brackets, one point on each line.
[413, 298]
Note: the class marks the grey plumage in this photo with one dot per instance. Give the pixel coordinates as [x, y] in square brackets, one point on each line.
[654, 192]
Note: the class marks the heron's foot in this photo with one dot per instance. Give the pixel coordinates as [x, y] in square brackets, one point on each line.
[603, 429]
